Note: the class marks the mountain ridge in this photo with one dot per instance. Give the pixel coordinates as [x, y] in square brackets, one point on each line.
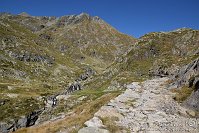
[57, 65]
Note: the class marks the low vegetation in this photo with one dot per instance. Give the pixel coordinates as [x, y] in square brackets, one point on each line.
[74, 121]
[182, 93]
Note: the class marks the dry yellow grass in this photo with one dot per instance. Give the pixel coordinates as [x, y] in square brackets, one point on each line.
[81, 114]
[110, 123]
[182, 94]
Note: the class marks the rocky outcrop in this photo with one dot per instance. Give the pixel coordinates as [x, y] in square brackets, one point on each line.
[74, 87]
[24, 121]
[32, 118]
[88, 73]
[46, 37]
[72, 19]
[52, 101]
[32, 23]
[193, 101]
[12, 73]
[189, 76]
[160, 70]
[75, 19]
[31, 57]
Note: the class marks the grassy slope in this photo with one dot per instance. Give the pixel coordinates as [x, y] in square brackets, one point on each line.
[81, 113]
[47, 80]
[68, 65]
[157, 49]
[23, 93]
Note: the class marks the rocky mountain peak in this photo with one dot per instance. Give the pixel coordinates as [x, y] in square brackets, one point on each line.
[75, 19]
[97, 19]
[83, 15]
[183, 29]
[87, 16]
[24, 14]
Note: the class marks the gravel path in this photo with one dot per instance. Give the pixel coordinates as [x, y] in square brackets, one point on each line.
[146, 107]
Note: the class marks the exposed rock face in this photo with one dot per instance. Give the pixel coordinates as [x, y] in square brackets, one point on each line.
[192, 102]
[31, 118]
[30, 57]
[75, 19]
[74, 87]
[22, 122]
[72, 19]
[189, 75]
[88, 73]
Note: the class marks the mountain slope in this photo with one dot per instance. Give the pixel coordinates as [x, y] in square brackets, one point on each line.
[52, 68]
[42, 56]
[161, 54]
[88, 40]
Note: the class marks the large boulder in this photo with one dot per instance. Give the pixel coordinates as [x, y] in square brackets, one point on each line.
[94, 122]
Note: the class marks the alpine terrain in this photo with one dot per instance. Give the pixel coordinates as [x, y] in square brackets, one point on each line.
[76, 73]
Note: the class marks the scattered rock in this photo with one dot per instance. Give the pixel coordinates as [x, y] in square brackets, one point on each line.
[153, 110]
[94, 122]
[191, 113]
[12, 95]
[62, 97]
[92, 130]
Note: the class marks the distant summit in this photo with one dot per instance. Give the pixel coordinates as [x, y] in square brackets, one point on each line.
[74, 19]
[24, 14]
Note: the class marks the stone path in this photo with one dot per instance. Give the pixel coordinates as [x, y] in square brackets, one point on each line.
[146, 107]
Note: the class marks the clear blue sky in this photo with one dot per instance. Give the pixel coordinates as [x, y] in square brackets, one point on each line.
[133, 17]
